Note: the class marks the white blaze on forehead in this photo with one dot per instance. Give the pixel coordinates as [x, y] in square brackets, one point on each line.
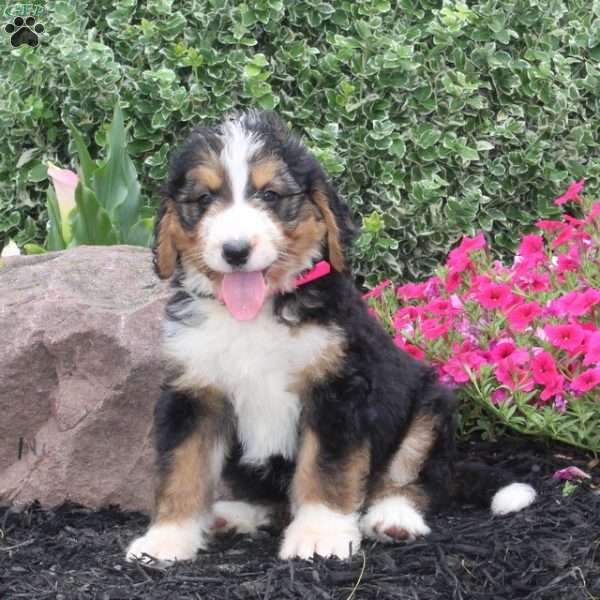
[239, 145]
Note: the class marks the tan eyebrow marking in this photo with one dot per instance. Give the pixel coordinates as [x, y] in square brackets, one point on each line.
[208, 176]
[263, 172]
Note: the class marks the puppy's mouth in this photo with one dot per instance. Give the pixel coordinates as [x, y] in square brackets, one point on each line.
[243, 293]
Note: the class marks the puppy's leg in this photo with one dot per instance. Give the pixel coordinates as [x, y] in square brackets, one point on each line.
[398, 501]
[190, 438]
[327, 492]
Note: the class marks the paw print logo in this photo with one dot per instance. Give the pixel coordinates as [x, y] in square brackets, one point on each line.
[24, 31]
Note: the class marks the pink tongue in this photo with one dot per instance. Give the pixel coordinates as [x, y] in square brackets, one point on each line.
[244, 293]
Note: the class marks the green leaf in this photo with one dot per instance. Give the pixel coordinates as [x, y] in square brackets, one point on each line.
[91, 223]
[34, 249]
[55, 240]
[87, 165]
[37, 173]
[115, 181]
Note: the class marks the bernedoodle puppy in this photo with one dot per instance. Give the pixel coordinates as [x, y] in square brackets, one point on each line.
[285, 391]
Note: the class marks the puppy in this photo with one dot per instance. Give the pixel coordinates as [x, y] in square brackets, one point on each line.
[285, 393]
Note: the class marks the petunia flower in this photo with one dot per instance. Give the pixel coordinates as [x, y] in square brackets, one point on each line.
[586, 381]
[553, 388]
[543, 368]
[570, 474]
[572, 193]
[566, 337]
[493, 295]
[592, 354]
[378, 290]
[520, 317]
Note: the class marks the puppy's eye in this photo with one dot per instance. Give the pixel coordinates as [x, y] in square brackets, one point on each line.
[204, 199]
[270, 196]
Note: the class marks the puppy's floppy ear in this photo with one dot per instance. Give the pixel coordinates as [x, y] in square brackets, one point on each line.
[164, 248]
[340, 229]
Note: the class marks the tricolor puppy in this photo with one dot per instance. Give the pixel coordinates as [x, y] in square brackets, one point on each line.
[285, 391]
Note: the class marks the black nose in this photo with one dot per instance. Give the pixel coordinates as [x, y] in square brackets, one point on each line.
[236, 253]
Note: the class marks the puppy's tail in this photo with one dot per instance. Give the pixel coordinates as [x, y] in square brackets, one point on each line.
[482, 485]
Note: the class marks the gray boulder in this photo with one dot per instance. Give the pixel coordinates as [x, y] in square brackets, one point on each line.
[80, 371]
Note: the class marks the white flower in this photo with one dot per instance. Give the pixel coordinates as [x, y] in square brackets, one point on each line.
[11, 249]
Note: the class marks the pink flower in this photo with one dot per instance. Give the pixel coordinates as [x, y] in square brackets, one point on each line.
[531, 244]
[502, 350]
[521, 316]
[592, 354]
[432, 287]
[586, 381]
[377, 290]
[566, 337]
[439, 307]
[65, 183]
[405, 315]
[567, 234]
[543, 368]
[411, 291]
[569, 261]
[549, 226]
[433, 329]
[493, 295]
[554, 387]
[459, 259]
[576, 304]
[594, 212]
[413, 350]
[513, 376]
[499, 396]
[456, 367]
[570, 473]
[571, 194]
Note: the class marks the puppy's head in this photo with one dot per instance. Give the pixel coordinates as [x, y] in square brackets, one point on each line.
[246, 209]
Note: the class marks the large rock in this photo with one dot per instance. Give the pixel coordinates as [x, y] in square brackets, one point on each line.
[80, 371]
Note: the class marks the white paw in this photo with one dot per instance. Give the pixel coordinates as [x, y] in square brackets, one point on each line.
[512, 498]
[239, 516]
[168, 542]
[317, 529]
[393, 519]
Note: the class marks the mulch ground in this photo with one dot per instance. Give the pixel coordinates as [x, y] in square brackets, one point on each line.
[549, 551]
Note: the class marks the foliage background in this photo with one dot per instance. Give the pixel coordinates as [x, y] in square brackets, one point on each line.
[434, 118]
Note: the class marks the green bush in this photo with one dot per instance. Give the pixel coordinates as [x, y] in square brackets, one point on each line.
[435, 118]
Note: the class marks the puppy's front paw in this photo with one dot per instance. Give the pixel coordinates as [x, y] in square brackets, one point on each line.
[240, 517]
[393, 519]
[165, 543]
[317, 529]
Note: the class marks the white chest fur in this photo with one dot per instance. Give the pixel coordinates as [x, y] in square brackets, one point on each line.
[255, 363]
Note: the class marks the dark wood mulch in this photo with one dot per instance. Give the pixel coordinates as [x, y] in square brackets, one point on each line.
[549, 551]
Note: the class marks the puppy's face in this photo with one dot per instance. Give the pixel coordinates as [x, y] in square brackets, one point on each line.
[246, 210]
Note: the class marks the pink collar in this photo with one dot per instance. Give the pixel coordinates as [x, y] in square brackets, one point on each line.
[321, 269]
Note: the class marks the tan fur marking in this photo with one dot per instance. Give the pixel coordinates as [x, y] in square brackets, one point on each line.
[413, 492]
[336, 255]
[172, 240]
[341, 487]
[301, 243]
[263, 172]
[400, 478]
[209, 176]
[414, 450]
[188, 486]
